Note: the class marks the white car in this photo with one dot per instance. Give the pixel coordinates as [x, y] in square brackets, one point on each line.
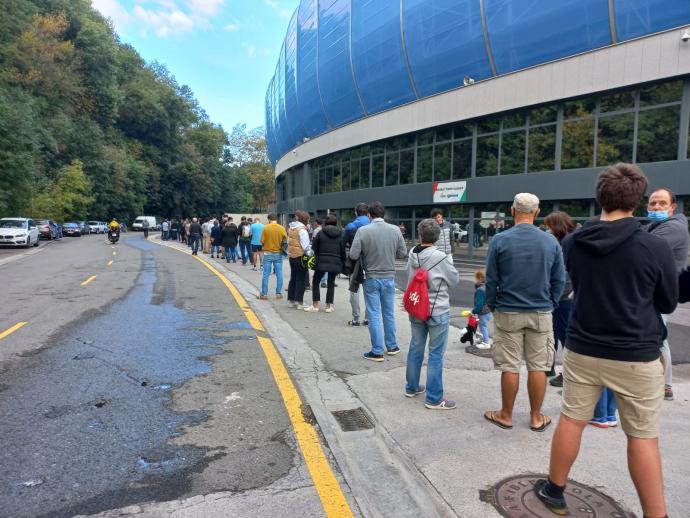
[18, 232]
[97, 227]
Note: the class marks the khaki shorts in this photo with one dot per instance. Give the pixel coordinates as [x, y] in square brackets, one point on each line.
[523, 336]
[639, 389]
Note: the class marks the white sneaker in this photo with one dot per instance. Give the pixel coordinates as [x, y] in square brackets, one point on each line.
[482, 345]
[329, 309]
[310, 309]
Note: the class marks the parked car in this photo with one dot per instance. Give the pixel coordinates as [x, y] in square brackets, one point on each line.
[84, 227]
[18, 232]
[97, 227]
[153, 225]
[47, 229]
[71, 229]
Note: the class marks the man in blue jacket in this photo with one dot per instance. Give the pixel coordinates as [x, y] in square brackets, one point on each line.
[524, 280]
[361, 219]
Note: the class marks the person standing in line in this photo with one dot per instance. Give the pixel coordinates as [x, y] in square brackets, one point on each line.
[329, 249]
[672, 227]
[228, 239]
[194, 235]
[257, 229]
[299, 245]
[165, 229]
[272, 237]
[245, 239]
[623, 280]
[445, 239]
[378, 244]
[361, 219]
[318, 229]
[206, 233]
[442, 276]
[524, 281]
[560, 225]
[145, 228]
[215, 239]
[484, 315]
[187, 225]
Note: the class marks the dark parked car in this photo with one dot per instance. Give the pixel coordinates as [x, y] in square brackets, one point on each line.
[47, 229]
[71, 229]
[84, 227]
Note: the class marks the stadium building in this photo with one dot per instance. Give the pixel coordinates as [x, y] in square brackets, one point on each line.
[463, 103]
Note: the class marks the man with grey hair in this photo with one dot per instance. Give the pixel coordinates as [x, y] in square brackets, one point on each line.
[195, 235]
[441, 276]
[525, 276]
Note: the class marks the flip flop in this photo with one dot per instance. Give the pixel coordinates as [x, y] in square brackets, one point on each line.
[492, 419]
[546, 422]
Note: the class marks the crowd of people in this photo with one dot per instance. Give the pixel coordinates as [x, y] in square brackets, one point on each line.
[601, 290]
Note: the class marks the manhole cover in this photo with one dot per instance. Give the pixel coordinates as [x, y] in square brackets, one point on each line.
[353, 420]
[473, 349]
[514, 497]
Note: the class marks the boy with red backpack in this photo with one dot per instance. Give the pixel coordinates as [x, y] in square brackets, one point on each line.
[431, 274]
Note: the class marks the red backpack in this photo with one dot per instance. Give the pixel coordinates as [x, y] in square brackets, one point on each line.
[416, 297]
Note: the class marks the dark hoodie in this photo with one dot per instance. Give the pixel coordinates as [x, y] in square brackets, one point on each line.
[623, 279]
[329, 248]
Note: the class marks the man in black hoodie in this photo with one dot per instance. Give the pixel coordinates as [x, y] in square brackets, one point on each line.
[623, 279]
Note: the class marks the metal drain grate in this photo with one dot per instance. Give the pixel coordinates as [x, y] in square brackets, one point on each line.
[353, 420]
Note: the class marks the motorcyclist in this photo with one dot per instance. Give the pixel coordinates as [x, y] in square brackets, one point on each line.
[114, 226]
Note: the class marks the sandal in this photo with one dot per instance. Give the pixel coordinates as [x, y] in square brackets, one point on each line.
[545, 423]
[489, 416]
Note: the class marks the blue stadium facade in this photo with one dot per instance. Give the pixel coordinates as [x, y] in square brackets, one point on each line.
[387, 99]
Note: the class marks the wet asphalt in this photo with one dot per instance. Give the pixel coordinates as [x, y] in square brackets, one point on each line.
[151, 388]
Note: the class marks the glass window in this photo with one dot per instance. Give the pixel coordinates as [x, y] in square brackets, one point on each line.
[407, 141]
[514, 120]
[378, 147]
[615, 139]
[578, 144]
[462, 130]
[443, 134]
[575, 208]
[364, 167]
[322, 181]
[462, 158]
[513, 152]
[542, 149]
[579, 108]
[442, 162]
[424, 156]
[314, 181]
[615, 102]
[377, 171]
[488, 125]
[543, 115]
[424, 138]
[337, 182]
[406, 166]
[657, 134]
[487, 156]
[354, 175]
[392, 169]
[661, 93]
[346, 175]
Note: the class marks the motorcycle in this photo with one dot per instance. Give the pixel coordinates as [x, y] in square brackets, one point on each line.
[113, 236]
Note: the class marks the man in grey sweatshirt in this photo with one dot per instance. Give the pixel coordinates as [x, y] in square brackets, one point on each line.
[672, 228]
[378, 244]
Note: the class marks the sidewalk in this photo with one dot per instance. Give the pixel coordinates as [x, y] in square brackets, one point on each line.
[436, 463]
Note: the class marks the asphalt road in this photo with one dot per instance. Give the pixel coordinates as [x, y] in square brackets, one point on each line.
[144, 384]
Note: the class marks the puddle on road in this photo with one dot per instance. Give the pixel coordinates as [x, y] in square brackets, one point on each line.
[96, 402]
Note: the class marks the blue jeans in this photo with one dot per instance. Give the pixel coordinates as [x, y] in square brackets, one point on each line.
[215, 250]
[230, 254]
[276, 260]
[195, 242]
[437, 329]
[379, 297]
[245, 247]
[606, 407]
[484, 326]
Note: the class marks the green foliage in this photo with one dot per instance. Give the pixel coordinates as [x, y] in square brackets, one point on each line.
[88, 129]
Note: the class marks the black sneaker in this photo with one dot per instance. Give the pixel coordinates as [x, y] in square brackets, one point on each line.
[366, 322]
[373, 357]
[557, 381]
[551, 373]
[393, 351]
[555, 505]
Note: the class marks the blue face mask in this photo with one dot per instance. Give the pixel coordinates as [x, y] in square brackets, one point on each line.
[657, 215]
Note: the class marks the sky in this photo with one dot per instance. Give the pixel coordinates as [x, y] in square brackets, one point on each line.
[225, 50]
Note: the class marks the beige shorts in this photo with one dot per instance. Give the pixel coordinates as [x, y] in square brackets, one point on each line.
[639, 389]
[523, 336]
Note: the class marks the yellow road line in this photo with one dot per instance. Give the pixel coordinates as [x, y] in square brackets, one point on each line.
[332, 498]
[89, 280]
[12, 329]
[109, 262]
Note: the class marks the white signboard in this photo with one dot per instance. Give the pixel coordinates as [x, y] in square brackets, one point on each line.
[450, 192]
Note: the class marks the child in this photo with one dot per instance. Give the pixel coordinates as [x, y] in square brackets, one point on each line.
[605, 411]
[482, 310]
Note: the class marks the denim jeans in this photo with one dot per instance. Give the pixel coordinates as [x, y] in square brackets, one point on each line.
[215, 250]
[437, 329]
[606, 406]
[276, 260]
[379, 297]
[165, 235]
[484, 326]
[195, 242]
[230, 254]
[244, 251]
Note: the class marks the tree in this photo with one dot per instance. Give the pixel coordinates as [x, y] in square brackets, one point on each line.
[69, 198]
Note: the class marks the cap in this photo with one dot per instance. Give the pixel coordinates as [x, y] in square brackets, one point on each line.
[525, 203]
